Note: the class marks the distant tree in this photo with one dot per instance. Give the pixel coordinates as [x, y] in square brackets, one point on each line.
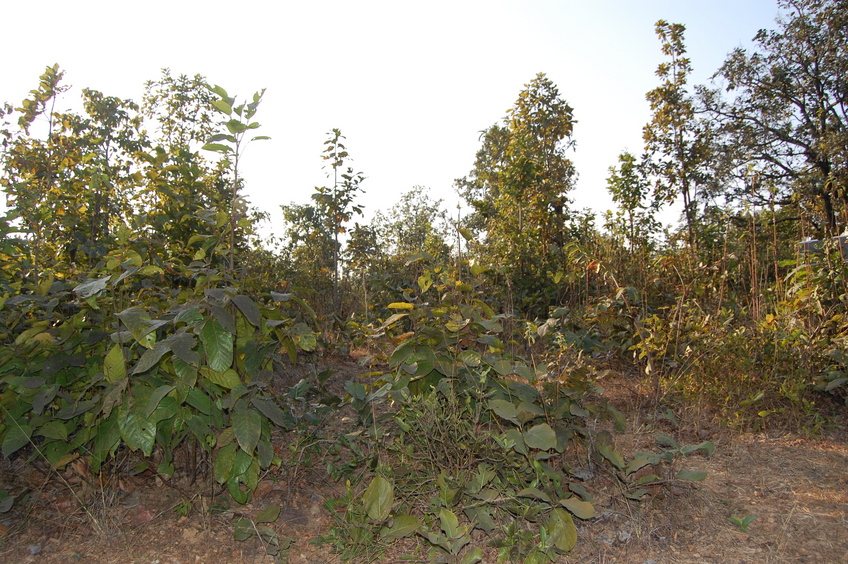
[788, 111]
[414, 225]
[631, 191]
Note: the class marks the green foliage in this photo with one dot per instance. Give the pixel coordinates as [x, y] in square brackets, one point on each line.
[742, 523]
[518, 191]
[479, 439]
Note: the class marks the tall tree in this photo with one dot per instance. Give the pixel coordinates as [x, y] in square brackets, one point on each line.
[675, 139]
[519, 185]
[335, 204]
[788, 110]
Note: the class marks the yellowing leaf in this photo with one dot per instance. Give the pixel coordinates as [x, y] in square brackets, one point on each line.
[400, 305]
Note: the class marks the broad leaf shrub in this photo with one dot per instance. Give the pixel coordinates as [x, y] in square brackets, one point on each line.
[476, 443]
[124, 359]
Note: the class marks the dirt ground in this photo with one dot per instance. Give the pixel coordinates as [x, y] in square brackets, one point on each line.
[796, 487]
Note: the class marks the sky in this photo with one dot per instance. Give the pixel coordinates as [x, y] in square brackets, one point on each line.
[410, 84]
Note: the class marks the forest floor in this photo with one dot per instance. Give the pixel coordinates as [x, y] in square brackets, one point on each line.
[795, 486]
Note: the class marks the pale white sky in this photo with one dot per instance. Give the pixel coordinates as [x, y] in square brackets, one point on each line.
[410, 84]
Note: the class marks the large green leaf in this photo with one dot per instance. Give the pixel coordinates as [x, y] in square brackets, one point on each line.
[182, 345]
[541, 436]
[225, 318]
[472, 556]
[534, 493]
[505, 409]
[378, 498]
[248, 428]
[137, 431]
[268, 515]
[582, 509]
[272, 411]
[155, 398]
[248, 307]
[218, 344]
[450, 524]
[691, 475]
[224, 462]
[17, 435]
[114, 366]
[151, 357]
[91, 287]
[561, 529]
[402, 526]
[54, 430]
[227, 379]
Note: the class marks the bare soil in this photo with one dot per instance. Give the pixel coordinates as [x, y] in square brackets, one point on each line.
[796, 487]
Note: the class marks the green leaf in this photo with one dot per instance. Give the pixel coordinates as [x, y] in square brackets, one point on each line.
[218, 344]
[17, 435]
[91, 287]
[378, 498]
[182, 345]
[225, 318]
[224, 462]
[534, 493]
[400, 305]
[138, 432]
[222, 106]
[155, 398]
[608, 451]
[272, 411]
[666, 440]
[54, 430]
[215, 139]
[449, 524]
[268, 515]
[690, 475]
[706, 446]
[227, 379]
[199, 400]
[248, 428]
[402, 526]
[504, 409]
[216, 147]
[562, 531]
[248, 307]
[582, 509]
[472, 556]
[151, 357]
[114, 366]
[517, 439]
[541, 436]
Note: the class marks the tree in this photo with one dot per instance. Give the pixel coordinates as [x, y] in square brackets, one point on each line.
[334, 204]
[180, 184]
[72, 186]
[630, 189]
[232, 144]
[518, 187]
[676, 141]
[414, 225]
[788, 110]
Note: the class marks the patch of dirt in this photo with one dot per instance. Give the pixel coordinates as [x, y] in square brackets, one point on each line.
[796, 487]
